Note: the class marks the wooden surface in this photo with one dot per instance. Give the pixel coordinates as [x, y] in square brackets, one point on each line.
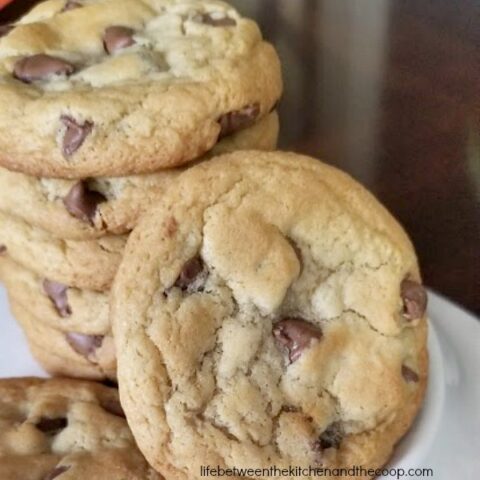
[389, 91]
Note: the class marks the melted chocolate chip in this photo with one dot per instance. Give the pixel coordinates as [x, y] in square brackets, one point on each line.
[237, 120]
[70, 5]
[3, 249]
[75, 134]
[414, 299]
[295, 335]
[56, 472]
[85, 345]
[57, 293]
[5, 29]
[330, 438]
[51, 426]
[117, 38]
[409, 375]
[40, 67]
[215, 19]
[114, 407]
[190, 271]
[82, 203]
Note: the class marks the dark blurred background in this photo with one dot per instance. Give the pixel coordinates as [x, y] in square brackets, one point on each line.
[389, 90]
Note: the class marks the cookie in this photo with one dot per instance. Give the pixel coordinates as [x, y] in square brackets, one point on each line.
[88, 264]
[74, 209]
[64, 308]
[122, 87]
[66, 429]
[280, 323]
[71, 354]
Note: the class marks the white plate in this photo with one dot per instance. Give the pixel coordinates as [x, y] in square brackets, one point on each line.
[15, 358]
[446, 435]
[455, 453]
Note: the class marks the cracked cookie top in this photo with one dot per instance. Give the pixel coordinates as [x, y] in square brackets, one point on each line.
[66, 429]
[119, 87]
[269, 311]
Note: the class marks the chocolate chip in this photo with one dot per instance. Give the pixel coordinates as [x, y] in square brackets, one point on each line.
[295, 335]
[82, 203]
[114, 407]
[41, 66]
[409, 375]
[215, 19]
[51, 426]
[3, 249]
[85, 345]
[75, 134]
[70, 5]
[56, 472]
[117, 38]
[414, 299]
[57, 293]
[330, 438]
[190, 272]
[237, 120]
[5, 29]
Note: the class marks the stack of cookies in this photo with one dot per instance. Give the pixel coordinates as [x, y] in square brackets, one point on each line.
[267, 315]
[102, 105]
[260, 311]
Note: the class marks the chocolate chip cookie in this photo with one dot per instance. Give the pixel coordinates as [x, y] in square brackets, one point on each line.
[88, 264]
[66, 429]
[124, 87]
[84, 209]
[60, 306]
[66, 353]
[269, 311]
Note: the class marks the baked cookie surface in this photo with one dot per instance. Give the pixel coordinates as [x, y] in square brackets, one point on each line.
[268, 312]
[121, 87]
[60, 306]
[85, 209]
[66, 353]
[85, 264]
[66, 429]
